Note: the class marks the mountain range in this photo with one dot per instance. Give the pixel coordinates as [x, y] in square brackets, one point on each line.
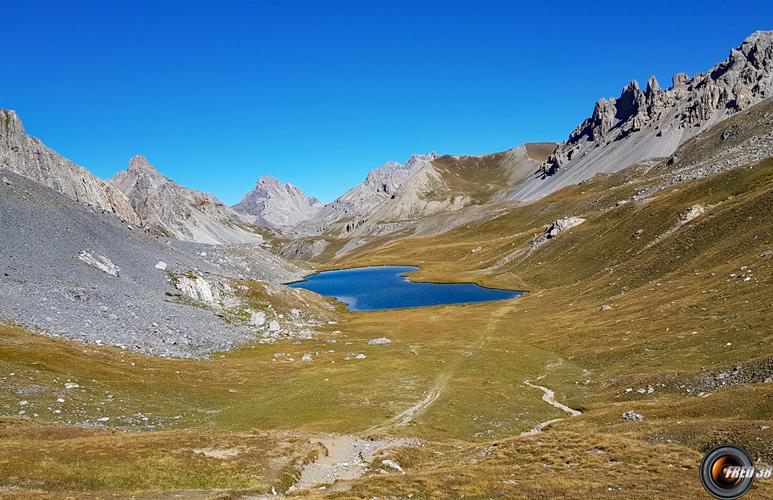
[620, 132]
[151, 345]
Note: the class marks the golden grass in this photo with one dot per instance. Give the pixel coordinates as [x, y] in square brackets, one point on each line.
[662, 287]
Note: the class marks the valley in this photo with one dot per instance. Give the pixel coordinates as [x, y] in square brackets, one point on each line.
[151, 347]
[426, 383]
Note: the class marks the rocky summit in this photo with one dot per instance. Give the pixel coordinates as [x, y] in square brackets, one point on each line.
[381, 184]
[278, 205]
[168, 209]
[29, 157]
[653, 122]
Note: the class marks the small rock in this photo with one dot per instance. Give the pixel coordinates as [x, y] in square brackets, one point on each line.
[23, 403]
[605, 307]
[7, 181]
[103, 419]
[258, 318]
[273, 326]
[633, 416]
[306, 357]
[71, 385]
[161, 265]
[393, 464]
[379, 341]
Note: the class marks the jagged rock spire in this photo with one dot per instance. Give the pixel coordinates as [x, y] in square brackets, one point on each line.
[741, 80]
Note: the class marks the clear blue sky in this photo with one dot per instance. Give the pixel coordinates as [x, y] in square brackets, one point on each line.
[216, 94]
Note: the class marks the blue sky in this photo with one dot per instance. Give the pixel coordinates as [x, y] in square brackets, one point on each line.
[216, 94]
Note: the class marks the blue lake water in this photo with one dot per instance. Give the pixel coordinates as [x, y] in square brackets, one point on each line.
[374, 288]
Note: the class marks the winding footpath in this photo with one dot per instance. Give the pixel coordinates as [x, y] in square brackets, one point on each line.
[347, 456]
[549, 397]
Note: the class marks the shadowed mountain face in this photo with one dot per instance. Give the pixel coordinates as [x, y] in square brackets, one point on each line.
[279, 205]
[167, 208]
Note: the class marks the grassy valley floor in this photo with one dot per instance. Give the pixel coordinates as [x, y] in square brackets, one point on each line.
[643, 307]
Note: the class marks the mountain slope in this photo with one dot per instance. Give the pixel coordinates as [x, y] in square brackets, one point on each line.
[279, 205]
[166, 208]
[381, 184]
[453, 182]
[29, 157]
[654, 122]
[85, 275]
[427, 201]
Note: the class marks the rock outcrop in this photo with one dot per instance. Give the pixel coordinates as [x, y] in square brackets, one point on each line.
[653, 122]
[100, 262]
[166, 208]
[29, 157]
[554, 229]
[278, 205]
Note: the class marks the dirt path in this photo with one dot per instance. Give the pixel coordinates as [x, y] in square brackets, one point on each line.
[549, 397]
[348, 456]
[405, 417]
[345, 457]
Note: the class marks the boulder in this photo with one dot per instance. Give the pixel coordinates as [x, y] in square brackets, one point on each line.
[195, 287]
[633, 416]
[100, 262]
[258, 318]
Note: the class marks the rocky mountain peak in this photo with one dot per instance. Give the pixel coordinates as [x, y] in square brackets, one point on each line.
[679, 80]
[30, 158]
[140, 165]
[10, 123]
[652, 86]
[388, 177]
[164, 207]
[415, 159]
[275, 204]
[382, 183]
[690, 105]
[267, 180]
